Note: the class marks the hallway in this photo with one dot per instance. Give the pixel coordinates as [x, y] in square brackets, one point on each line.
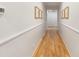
[52, 45]
[39, 29]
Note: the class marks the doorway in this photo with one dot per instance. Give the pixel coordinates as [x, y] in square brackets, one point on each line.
[52, 19]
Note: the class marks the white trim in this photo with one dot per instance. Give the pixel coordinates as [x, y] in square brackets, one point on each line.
[72, 28]
[18, 34]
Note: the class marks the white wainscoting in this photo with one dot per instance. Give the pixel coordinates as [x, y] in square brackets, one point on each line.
[18, 34]
[22, 44]
[70, 36]
[72, 28]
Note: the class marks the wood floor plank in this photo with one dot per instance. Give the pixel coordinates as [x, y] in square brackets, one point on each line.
[52, 46]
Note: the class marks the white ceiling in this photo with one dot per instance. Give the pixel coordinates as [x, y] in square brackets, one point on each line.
[52, 5]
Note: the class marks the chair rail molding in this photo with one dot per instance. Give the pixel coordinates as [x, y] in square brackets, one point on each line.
[2, 42]
[70, 27]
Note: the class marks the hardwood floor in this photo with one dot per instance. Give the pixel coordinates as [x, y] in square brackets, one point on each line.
[52, 46]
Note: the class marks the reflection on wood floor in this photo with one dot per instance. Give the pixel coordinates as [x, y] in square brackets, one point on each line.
[52, 45]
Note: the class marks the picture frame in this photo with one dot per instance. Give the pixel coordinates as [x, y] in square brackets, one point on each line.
[66, 13]
[41, 14]
[38, 14]
[62, 14]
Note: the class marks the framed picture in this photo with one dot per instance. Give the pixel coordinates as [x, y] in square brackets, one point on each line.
[41, 14]
[62, 14]
[36, 12]
[66, 13]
